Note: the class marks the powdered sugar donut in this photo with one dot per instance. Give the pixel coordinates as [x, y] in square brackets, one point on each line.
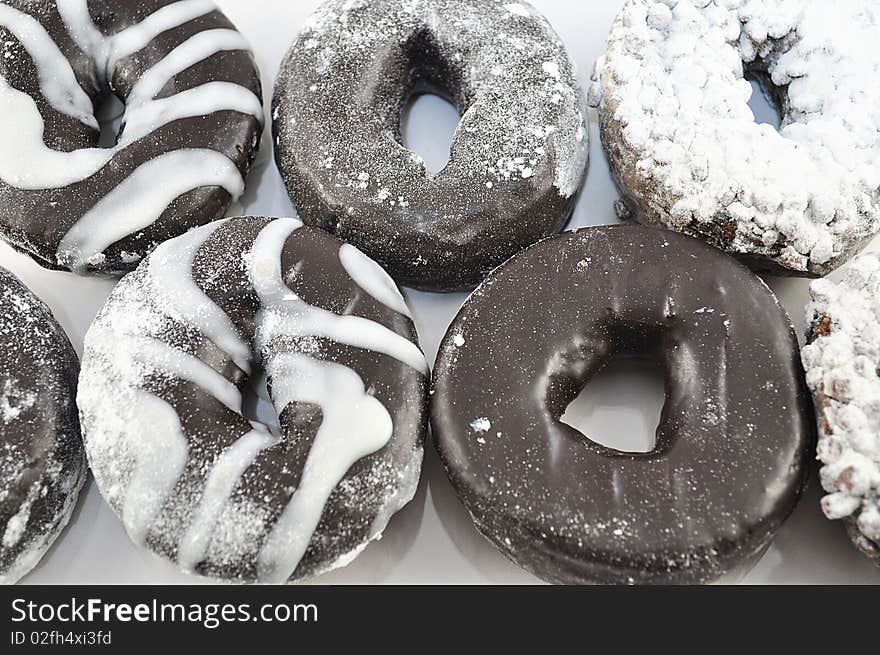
[161, 401]
[672, 91]
[843, 371]
[42, 466]
[190, 131]
[517, 160]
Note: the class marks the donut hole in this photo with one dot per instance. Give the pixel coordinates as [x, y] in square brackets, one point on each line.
[109, 114]
[430, 107]
[621, 406]
[766, 100]
[256, 404]
[428, 126]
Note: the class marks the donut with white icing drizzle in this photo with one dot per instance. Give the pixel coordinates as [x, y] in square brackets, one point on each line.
[517, 160]
[732, 443]
[160, 398]
[842, 362]
[191, 128]
[42, 464]
[683, 144]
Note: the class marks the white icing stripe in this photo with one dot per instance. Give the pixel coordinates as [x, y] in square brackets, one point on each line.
[81, 28]
[58, 83]
[143, 114]
[108, 50]
[373, 279]
[201, 101]
[155, 184]
[221, 482]
[25, 161]
[284, 314]
[356, 331]
[265, 258]
[28, 164]
[171, 275]
[162, 452]
[168, 359]
[354, 425]
[137, 37]
[197, 48]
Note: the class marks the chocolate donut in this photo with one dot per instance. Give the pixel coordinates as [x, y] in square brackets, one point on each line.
[517, 160]
[160, 398]
[842, 362]
[732, 442]
[191, 128]
[42, 465]
[683, 144]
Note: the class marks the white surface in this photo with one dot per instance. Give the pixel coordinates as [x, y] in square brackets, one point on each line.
[432, 540]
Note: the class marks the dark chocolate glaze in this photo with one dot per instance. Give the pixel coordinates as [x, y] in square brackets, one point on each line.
[35, 221]
[311, 266]
[42, 465]
[517, 160]
[732, 442]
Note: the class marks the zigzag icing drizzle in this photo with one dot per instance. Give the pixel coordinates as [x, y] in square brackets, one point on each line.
[27, 163]
[354, 423]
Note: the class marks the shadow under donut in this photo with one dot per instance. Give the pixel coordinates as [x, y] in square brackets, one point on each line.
[490, 562]
[380, 557]
[808, 536]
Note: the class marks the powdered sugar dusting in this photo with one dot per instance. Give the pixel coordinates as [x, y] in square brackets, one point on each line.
[518, 9]
[13, 401]
[16, 525]
[481, 425]
[843, 372]
[522, 132]
[183, 156]
[42, 467]
[191, 477]
[521, 135]
[682, 140]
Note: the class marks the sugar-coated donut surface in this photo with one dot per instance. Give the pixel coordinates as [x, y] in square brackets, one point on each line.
[160, 397]
[517, 160]
[732, 442]
[683, 144]
[189, 134]
[843, 371]
[42, 465]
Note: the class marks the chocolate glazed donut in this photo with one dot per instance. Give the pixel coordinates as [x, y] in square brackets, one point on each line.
[160, 397]
[732, 443]
[517, 160]
[42, 464]
[191, 127]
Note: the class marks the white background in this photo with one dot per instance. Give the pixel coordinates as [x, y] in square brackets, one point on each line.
[432, 540]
